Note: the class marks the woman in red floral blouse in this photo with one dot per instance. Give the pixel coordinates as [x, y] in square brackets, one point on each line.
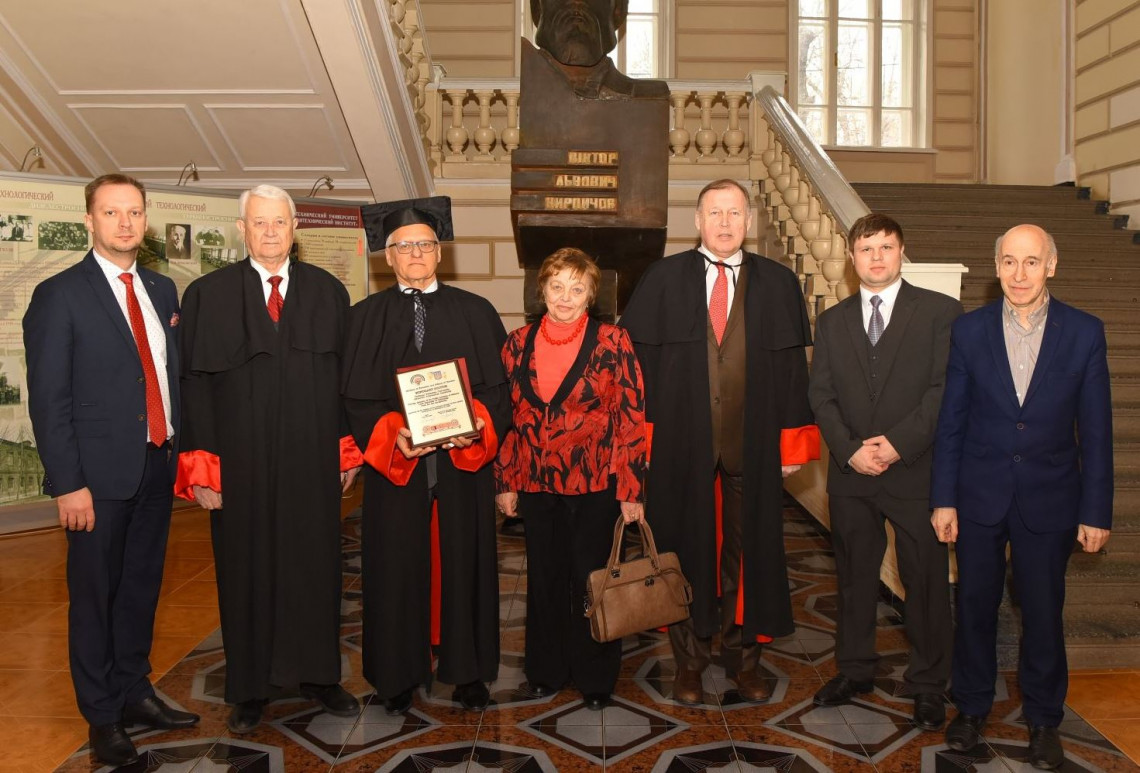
[574, 458]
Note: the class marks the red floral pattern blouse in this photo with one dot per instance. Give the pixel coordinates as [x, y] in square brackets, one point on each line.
[593, 428]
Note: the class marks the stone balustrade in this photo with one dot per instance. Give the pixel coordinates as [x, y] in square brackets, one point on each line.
[739, 129]
[412, 51]
[473, 127]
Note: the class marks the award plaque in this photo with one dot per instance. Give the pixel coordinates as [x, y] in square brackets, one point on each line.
[437, 402]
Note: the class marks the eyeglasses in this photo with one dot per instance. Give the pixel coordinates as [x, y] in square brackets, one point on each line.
[405, 247]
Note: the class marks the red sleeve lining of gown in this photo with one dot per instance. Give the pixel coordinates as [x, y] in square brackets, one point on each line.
[197, 468]
[474, 456]
[799, 445]
[383, 454]
[350, 455]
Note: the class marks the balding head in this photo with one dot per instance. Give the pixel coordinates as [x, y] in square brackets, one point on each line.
[1026, 256]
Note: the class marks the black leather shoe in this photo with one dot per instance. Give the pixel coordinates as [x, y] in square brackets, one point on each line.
[929, 711]
[964, 732]
[539, 690]
[840, 690]
[333, 698]
[245, 716]
[154, 712]
[473, 696]
[596, 701]
[398, 704]
[111, 744]
[1045, 752]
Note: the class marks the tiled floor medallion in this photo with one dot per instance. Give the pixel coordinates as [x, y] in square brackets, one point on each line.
[655, 677]
[1000, 756]
[327, 736]
[814, 561]
[512, 610]
[206, 756]
[810, 644]
[209, 684]
[859, 729]
[628, 728]
[462, 757]
[739, 757]
[1072, 728]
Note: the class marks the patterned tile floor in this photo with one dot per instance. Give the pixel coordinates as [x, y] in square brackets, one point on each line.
[643, 730]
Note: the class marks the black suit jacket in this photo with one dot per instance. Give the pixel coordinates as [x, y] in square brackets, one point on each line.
[86, 391]
[901, 403]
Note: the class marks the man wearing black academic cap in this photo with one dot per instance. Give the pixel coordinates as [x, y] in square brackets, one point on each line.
[430, 579]
[261, 449]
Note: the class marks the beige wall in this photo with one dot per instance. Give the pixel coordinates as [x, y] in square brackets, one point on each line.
[955, 100]
[472, 38]
[729, 38]
[1107, 98]
[1025, 91]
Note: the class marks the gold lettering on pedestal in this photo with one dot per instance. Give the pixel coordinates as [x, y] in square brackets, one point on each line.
[586, 181]
[598, 203]
[592, 157]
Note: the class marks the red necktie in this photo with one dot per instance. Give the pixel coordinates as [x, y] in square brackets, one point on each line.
[718, 303]
[155, 413]
[276, 301]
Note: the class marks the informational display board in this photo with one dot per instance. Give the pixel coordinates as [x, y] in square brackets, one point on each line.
[189, 233]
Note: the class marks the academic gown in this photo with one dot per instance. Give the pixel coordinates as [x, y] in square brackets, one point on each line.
[667, 318]
[396, 539]
[264, 406]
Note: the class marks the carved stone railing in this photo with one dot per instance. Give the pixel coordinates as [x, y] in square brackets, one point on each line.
[809, 201]
[740, 129]
[413, 53]
[473, 127]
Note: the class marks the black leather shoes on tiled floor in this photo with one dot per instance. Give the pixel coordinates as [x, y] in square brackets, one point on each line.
[840, 690]
[111, 744]
[929, 710]
[1045, 752]
[154, 712]
[964, 732]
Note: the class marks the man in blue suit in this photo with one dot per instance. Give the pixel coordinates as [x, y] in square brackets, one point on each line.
[103, 397]
[1022, 456]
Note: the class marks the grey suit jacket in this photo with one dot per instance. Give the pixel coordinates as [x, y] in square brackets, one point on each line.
[901, 403]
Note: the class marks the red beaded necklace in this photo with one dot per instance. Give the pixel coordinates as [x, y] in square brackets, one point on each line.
[562, 341]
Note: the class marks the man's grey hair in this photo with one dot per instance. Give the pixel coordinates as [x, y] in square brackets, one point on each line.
[392, 236]
[1050, 244]
[265, 192]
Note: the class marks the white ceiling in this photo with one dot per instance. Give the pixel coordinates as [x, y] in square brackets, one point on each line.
[240, 87]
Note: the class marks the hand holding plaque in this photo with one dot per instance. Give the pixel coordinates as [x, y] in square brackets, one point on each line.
[437, 403]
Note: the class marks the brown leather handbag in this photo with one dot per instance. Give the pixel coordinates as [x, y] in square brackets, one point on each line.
[627, 597]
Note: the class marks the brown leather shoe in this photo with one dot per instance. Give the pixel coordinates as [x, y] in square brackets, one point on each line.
[687, 687]
[752, 687]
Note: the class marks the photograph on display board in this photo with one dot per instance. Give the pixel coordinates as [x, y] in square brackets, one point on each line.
[62, 235]
[177, 241]
[16, 228]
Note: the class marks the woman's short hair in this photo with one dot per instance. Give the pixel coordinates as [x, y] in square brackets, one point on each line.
[580, 265]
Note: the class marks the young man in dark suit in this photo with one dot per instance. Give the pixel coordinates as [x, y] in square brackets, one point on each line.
[1022, 457]
[877, 376]
[103, 398]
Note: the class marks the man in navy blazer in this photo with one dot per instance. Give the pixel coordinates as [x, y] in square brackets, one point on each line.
[1022, 456]
[103, 397]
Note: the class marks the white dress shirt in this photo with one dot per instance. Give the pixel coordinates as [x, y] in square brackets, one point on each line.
[732, 272]
[155, 327]
[264, 273]
[888, 294]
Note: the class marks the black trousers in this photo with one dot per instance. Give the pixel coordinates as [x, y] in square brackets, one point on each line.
[693, 652]
[114, 573]
[1039, 563]
[859, 538]
[567, 537]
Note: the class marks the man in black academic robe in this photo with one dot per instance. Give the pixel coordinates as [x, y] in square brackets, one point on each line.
[262, 417]
[429, 517]
[728, 404]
